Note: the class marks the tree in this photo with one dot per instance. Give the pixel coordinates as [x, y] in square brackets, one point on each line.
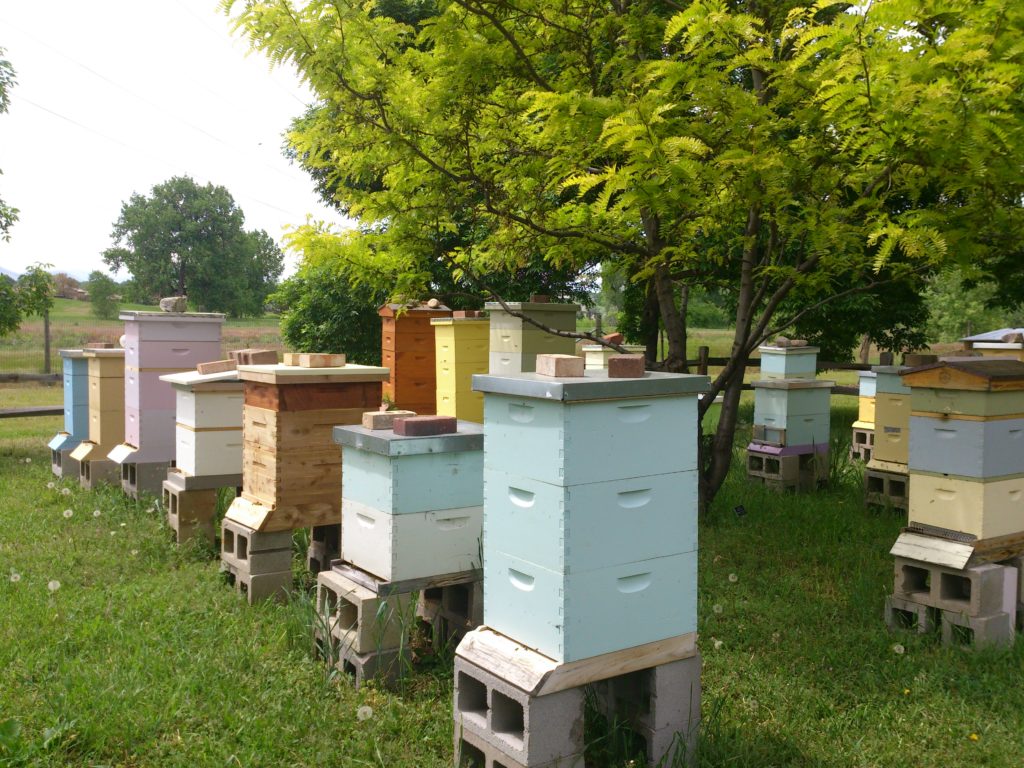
[758, 149]
[102, 290]
[8, 215]
[64, 285]
[187, 239]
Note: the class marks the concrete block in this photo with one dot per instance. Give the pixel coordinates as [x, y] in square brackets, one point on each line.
[626, 366]
[995, 631]
[978, 590]
[886, 489]
[471, 751]
[184, 532]
[260, 586]
[796, 472]
[424, 426]
[62, 465]
[560, 366]
[146, 477]
[97, 472]
[189, 506]
[533, 730]
[255, 552]
[324, 546]
[384, 419]
[907, 614]
[360, 619]
[862, 443]
[386, 666]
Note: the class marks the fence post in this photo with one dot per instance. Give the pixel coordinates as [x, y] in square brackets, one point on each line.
[702, 360]
[46, 341]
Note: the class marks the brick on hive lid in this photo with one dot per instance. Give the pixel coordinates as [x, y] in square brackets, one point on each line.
[461, 314]
[425, 426]
[614, 338]
[540, 298]
[216, 366]
[914, 359]
[99, 345]
[320, 360]
[251, 356]
[384, 419]
[560, 366]
[781, 341]
[626, 367]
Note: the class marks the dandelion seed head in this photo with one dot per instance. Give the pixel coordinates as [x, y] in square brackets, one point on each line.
[53, 585]
[364, 713]
[898, 649]
[28, 459]
[135, 552]
[123, 524]
[717, 608]
[95, 513]
[69, 513]
[65, 491]
[719, 644]
[15, 577]
[733, 578]
[906, 691]
[51, 485]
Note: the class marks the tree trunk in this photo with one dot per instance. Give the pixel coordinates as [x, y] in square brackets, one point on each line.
[675, 325]
[865, 349]
[46, 341]
[650, 324]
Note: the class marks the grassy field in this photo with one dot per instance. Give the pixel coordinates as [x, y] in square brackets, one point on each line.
[144, 657]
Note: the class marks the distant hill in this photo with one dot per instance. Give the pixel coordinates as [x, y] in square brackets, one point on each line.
[9, 273]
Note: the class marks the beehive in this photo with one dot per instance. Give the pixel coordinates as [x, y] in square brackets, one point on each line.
[1005, 342]
[461, 347]
[412, 507]
[892, 415]
[208, 422]
[866, 393]
[966, 454]
[76, 402]
[792, 412]
[596, 355]
[515, 343]
[407, 351]
[291, 467]
[159, 343]
[106, 404]
[590, 508]
[788, 362]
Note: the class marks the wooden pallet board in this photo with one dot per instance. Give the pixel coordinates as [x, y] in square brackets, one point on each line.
[266, 519]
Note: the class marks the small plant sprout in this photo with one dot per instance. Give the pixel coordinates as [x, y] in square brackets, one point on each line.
[53, 585]
[69, 513]
[364, 713]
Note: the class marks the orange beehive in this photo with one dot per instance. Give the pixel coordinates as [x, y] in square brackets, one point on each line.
[407, 350]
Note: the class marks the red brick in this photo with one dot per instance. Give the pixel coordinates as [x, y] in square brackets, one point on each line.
[614, 338]
[626, 367]
[384, 419]
[422, 426]
[217, 366]
[464, 313]
[560, 366]
[540, 298]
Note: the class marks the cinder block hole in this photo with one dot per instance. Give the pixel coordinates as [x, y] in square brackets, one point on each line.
[472, 696]
[875, 484]
[632, 695]
[507, 717]
[132, 477]
[229, 577]
[349, 668]
[85, 471]
[867, 454]
[228, 542]
[755, 463]
[55, 458]
[898, 488]
[433, 594]
[470, 756]
[243, 547]
[172, 505]
[456, 599]
[496, 764]
[772, 467]
[328, 601]
[916, 579]
[313, 565]
[242, 587]
[125, 476]
[348, 614]
[955, 588]
[904, 619]
[961, 635]
[861, 438]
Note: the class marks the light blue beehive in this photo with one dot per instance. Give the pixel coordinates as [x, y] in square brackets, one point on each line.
[793, 412]
[866, 385]
[888, 380]
[406, 475]
[788, 362]
[590, 510]
[963, 448]
[76, 401]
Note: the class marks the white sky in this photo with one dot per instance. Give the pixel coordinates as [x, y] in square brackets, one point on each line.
[116, 96]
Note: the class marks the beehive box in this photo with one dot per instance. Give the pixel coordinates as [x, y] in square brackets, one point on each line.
[999, 343]
[967, 447]
[106, 404]
[407, 351]
[76, 401]
[515, 343]
[156, 344]
[892, 415]
[982, 508]
[793, 412]
[208, 422]
[461, 349]
[590, 510]
[291, 467]
[412, 507]
[866, 391]
[788, 362]
[596, 355]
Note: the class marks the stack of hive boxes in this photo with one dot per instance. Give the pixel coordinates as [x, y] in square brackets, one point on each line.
[960, 555]
[1006, 342]
[208, 449]
[407, 351]
[590, 566]
[412, 517]
[789, 450]
[106, 417]
[596, 355]
[515, 343]
[291, 468]
[862, 443]
[76, 414]
[885, 477]
[461, 343]
[157, 343]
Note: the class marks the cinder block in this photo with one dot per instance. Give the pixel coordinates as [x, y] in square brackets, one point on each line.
[62, 465]
[384, 419]
[255, 552]
[626, 367]
[471, 751]
[143, 478]
[451, 611]
[795, 472]
[534, 730]
[386, 666]
[886, 489]
[424, 426]
[360, 619]
[979, 590]
[259, 587]
[184, 532]
[189, 506]
[560, 366]
[324, 546]
[992, 631]
[663, 697]
[862, 444]
[94, 473]
[907, 614]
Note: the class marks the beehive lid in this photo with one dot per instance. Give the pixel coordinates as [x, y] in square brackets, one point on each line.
[867, 374]
[292, 374]
[71, 353]
[102, 353]
[198, 382]
[993, 336]
[986, 374]
[593, 385]
[772, 349]
[792, 384]
[176, 317]
[469, 437]
[528, 306]
[458, 320]
[397, 310]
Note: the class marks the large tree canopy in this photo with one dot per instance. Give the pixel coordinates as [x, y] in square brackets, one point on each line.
[189, 240]
[788, 151]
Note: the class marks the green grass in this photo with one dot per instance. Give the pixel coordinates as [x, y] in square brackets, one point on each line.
[144, 657]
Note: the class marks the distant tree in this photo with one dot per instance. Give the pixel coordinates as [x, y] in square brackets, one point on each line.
[187, 239]
[102, 290]
[8, 215]
[64, 285]
[959, 308]
[31, 294]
